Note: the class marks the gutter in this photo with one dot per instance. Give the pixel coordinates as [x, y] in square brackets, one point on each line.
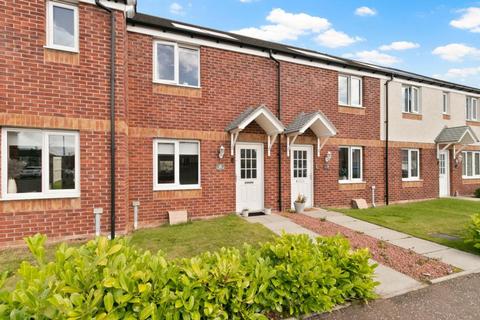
[112, 116]
[279, 112]
[387, 196]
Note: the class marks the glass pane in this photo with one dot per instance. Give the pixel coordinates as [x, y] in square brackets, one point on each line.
[254, 173]
[343, 164]
[165, 62]
[474, 109]
[356, 94]
[404, 164]
[356, 163]
[61, 162]
[406, 98]
[445, 103]
[63, 26]
[464, 164]
[414, 100]
[242, 173]
[469, 164]
[343, 90]
[188, 169]
[477, 164]
[24, 162]
[414, 164]
[188, 66]
[166, 163]
[249, 174]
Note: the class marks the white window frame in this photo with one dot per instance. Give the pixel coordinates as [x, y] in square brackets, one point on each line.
[469, 108]
[349, 91]
[176, 47]
[46, 193]
[464, 165]
[410, 177]
[50, 25]
[350, 164]
[445, 103]
[415, 108]
[174, 186]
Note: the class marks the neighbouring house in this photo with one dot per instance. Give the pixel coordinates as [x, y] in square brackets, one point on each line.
[206, 121]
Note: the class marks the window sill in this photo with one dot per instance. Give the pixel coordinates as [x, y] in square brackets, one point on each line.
[351, 185]
[412, 183]
[412, 116]
[177, 188]
[173, 84]
[473, 122]
[177, 90]
[351, 106]
[64, 49]
[26, 196]
[470, 180]
[61, 56]
[177, 194]
[351, 110]
[446, 116]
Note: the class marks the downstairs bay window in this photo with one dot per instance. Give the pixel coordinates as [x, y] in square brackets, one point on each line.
[350, 164]
[410, 164]
[176, 165]
[471, 165]
[40, 164]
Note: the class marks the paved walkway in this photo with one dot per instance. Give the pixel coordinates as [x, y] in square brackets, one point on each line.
[392, 282]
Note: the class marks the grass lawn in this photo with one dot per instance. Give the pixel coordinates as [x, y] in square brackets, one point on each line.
[178, 241]
[425, 219]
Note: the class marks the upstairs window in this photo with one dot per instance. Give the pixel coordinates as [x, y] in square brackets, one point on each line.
[445, 103]
[176, 64]
[62, 26]
[471, 109]
[410, 164]
[350, 164]
[411, 99]
[349, 91]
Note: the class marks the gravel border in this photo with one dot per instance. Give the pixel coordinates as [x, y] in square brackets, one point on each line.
[402, 260]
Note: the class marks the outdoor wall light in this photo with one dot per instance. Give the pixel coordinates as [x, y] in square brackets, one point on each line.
[328, 157]
[458, 160]
[221, 152]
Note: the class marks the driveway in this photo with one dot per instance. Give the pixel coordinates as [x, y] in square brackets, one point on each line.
[456, 299]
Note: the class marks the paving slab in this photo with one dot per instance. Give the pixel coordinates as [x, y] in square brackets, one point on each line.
[457, 258]
[361, 226]
[393, 283]
[341, 220]
[418, 245]
[320, 213]
[386, 234]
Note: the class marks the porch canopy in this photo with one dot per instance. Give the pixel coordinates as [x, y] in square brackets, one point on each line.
[457, 138]
[263, 117]
[317, 122]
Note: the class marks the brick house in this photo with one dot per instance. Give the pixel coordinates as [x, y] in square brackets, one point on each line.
[206, 121]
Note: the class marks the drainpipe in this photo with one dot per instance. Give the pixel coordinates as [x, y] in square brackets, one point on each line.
[279, 112]
[387, 197]
[112, 116]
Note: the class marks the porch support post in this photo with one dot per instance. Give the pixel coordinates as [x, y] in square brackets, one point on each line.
[271, 142]
[233, 141]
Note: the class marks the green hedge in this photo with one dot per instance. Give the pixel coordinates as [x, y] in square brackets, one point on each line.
[473, 233]
[103, 279]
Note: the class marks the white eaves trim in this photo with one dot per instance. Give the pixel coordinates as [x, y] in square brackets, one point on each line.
[108, 4]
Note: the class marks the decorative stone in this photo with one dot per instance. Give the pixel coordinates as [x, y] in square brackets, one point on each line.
[359, 204]
[178, 217]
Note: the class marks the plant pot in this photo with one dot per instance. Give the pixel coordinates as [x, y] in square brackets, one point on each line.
[299, 207]
[267, 211]
[244, 213]
[12, 186]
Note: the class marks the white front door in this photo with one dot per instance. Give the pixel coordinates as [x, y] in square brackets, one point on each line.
[444, 174]
[301, 173]
[249, 173]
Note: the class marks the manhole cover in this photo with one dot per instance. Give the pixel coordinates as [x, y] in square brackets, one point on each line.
[445, 236]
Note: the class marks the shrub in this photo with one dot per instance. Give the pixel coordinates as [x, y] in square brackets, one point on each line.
[473, 232]
[103, 279]
[477, 193]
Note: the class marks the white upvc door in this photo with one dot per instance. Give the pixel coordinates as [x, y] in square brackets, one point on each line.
[444, 174]
[249, 176]
[301, 173]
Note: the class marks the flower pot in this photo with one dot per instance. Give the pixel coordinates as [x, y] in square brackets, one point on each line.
[299, 207]
[12, 186]
[244, 213]
[267, 211]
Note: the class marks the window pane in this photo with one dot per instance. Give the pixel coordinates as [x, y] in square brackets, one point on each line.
[356, 164]
[188, 66]
[61, 161]
[165, 62]
[188, 169]
[468, 109]
[24, 162]
[166, 163]
[414, 164]
[477, 164]
[464, 164]
[445, 103]
[405, 96]
[414, 100]
[63, 26]
[356, 94]
[404, 164]
[474, 109]
[343, 164]
[343, 90]
[469, 164]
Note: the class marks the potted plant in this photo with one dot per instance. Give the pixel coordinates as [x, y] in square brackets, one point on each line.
[15, 168]
[300, 203]
[244, 213]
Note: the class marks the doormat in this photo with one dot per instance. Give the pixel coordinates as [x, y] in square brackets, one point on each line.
[255, 214]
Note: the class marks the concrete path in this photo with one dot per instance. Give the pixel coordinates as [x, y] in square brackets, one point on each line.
[463, 260]
[392, 282]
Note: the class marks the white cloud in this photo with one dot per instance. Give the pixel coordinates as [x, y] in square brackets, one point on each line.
[470, 20]
[176, 8]
[456, 52]
[373, 56]
[365, 11]
[461, 74]
[286, 26]
[399, 45]
[335, 39]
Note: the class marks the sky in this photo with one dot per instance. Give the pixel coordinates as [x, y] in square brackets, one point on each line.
[433, 38]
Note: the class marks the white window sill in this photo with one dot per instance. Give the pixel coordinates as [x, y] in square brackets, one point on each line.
[351, 181]
[351, 106]
[473, 120]
[177, 188]
[38, 196]
[60, 48]
[176, 84]
[470, 177]
[415, 113]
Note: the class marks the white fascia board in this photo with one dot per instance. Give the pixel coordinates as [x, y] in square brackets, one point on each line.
[108, 4]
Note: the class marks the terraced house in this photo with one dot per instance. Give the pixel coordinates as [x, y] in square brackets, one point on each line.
[190, 118]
